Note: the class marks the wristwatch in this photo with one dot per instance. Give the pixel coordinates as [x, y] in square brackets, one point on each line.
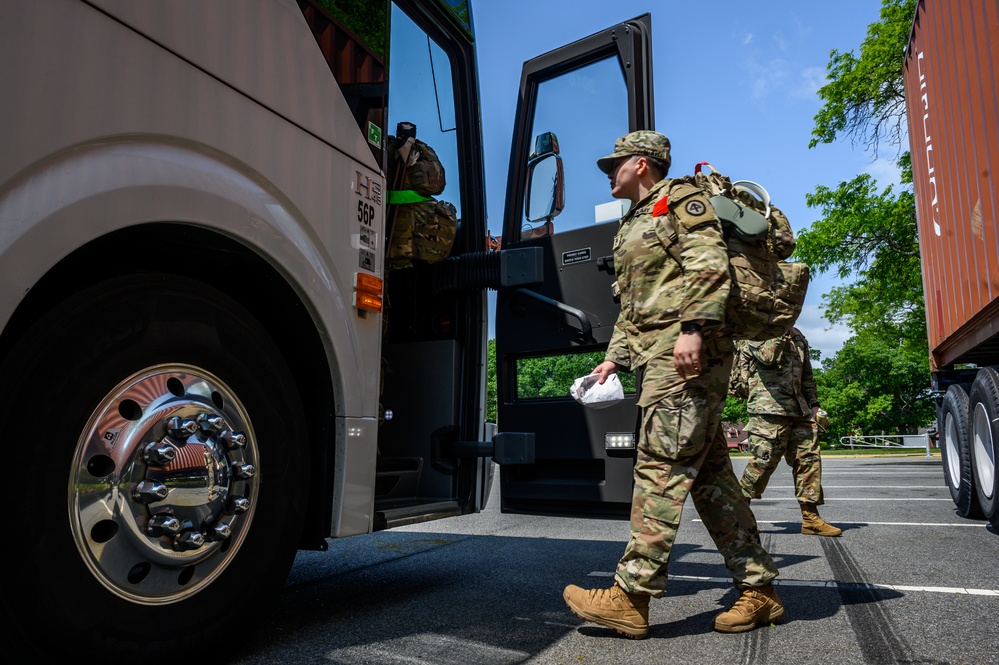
[689, 327]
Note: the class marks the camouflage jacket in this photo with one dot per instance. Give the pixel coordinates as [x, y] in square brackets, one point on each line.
[672, 265]
[775, 376]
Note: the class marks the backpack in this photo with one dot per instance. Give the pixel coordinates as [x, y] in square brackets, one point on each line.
[422, 229]
[767, 292]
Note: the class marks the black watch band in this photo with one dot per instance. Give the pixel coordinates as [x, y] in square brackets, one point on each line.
[690, 326]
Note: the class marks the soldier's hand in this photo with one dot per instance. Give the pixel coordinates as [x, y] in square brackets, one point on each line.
[687, 354]
[605, 369]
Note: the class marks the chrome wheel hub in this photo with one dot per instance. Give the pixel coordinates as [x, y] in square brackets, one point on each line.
[163, 484]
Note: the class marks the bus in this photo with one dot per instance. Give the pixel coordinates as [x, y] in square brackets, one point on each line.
[220, 326]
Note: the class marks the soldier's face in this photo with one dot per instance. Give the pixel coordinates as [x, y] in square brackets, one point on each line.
[624, 179]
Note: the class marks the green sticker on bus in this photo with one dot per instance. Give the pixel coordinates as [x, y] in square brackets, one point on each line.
[374, 134]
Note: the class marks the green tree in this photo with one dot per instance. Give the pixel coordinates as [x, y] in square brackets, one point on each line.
[491, 382]
[552, 376]
[870, 236]
[865, 96]
[735, 410]
[545, 376]
[875, 387]
[367, 20]
[863, 233]
[877, 383]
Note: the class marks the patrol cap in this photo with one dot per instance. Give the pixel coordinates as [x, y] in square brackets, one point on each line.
[644, 142]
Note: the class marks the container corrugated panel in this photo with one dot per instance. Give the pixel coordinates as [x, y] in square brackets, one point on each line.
[951, 70]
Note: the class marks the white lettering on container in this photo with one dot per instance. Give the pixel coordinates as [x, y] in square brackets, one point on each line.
[928, 141]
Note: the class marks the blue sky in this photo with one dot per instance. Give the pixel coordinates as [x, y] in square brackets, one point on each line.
[735, 84]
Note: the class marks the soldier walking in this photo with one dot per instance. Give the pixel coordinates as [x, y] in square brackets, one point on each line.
[673, 277]
[776, 378]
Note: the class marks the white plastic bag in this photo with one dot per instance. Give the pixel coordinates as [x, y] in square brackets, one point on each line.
[588, 392]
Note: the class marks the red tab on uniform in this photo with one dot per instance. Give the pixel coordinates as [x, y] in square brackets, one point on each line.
[661, 208]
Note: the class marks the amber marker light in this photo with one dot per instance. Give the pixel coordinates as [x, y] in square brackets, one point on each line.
[368, 283]
[368, 292]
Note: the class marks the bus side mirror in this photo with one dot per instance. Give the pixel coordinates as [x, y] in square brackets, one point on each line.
[545, 196]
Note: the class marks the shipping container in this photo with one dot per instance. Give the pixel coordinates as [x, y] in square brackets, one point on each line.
[950, 73]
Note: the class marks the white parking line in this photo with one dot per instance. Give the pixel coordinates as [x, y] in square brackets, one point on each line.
[978, 525]
[830, 472]
[867, 487]
[833, 584]
[859, 498]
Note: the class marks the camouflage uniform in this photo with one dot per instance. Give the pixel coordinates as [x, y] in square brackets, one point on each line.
[672, 266]
[776, 377]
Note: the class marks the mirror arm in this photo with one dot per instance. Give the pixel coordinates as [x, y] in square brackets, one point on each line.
[586, 330]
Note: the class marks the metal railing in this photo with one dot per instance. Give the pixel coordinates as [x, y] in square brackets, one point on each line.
[888, 441]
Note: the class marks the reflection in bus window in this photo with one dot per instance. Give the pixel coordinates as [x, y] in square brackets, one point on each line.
[421, 92]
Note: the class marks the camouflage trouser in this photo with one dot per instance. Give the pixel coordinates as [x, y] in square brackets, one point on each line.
[681, 450]
[797, 440]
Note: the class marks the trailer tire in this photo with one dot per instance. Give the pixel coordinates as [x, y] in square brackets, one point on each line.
[171, 363]
[955, 449]
[985, 440]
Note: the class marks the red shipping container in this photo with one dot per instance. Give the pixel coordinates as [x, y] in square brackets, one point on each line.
[952, 97]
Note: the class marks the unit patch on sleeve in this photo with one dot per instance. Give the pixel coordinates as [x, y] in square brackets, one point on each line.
[695, 208]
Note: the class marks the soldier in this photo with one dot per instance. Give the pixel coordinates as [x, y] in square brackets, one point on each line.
[673, 278]
[776, 377]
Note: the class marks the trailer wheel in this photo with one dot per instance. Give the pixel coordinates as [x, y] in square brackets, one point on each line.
[155, 486]
[955, 449]
[985, 439]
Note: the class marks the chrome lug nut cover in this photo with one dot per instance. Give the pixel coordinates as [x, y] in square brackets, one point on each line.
[148, 491]
[243, 471]
[159, 525]
[237, 505]
[159, 454]
[221, 531]
[180, 428]
[189, 540]
[210, 424]
[232, 440]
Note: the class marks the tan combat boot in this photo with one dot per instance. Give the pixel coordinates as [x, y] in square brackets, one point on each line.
[813, 525]
[627, 613]
[754, 607]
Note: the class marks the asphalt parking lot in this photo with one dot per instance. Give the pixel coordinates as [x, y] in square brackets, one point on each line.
[907, 582]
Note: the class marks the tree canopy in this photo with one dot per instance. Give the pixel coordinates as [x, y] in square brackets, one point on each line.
[866, 234]
[878, 382]
[865, 95]
[875, 386]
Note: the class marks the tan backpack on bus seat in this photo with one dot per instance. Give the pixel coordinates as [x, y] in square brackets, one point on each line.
[422, 228]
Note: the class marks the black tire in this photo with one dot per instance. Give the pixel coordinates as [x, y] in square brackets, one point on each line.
[89, 584]
[984, 414]
[955, 450]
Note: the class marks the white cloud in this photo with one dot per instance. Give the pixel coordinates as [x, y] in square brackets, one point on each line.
[821, 334]
[810, 80]
[780, 42]
[766, 77]
[885, 172]
[748, 39]
[802, 31]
